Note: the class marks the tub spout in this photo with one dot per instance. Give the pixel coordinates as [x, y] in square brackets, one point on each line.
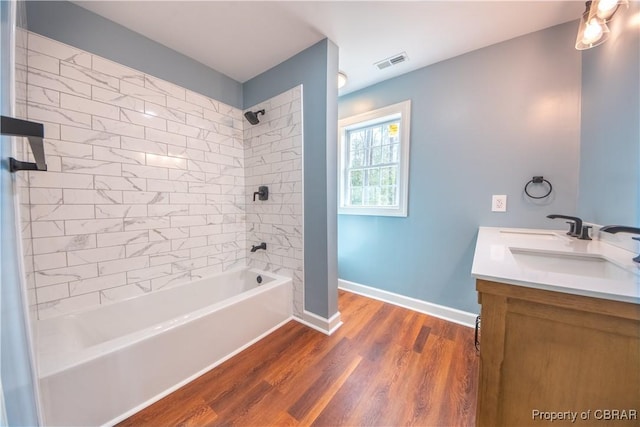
[262, 245]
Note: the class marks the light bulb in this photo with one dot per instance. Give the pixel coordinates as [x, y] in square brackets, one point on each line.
[607, 8]
[342, 79]
[592, 32]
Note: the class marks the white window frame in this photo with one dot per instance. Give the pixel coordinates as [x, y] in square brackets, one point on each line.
[400, 110]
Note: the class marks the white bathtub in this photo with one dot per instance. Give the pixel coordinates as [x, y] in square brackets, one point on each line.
[100, 366]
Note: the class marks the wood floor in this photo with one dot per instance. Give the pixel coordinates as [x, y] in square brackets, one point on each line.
[385, 366]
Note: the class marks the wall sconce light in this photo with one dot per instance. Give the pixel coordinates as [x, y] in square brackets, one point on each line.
[593, 29]
[342, 79]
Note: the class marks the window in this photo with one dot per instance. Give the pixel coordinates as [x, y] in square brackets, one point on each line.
[374, 162]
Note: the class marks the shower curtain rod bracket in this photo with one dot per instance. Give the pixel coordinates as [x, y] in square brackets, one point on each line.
[34, 132]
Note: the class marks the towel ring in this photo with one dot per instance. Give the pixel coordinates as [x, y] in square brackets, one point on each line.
[538, 180]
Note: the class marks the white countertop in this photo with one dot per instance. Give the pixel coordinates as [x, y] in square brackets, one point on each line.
[551, 260]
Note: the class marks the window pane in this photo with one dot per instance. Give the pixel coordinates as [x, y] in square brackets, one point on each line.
[371, 195]
[356, 196]
[356, 158]
[373, 177]
[356, 178]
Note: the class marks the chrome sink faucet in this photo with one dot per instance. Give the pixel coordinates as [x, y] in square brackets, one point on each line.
[623, 229]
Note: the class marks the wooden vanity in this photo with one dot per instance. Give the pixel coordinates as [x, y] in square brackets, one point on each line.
[557, 348]
[557, 354]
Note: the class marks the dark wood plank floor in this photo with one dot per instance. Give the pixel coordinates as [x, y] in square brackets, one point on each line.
[386, 366]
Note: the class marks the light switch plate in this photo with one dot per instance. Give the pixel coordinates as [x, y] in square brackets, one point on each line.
[499, 203]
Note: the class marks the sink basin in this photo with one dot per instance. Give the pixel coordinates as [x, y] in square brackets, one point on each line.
[567, 263]
[538, 235]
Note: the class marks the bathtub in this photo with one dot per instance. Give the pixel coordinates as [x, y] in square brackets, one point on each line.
[99, 366]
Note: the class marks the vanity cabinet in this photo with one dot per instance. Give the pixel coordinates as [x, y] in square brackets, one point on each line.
[549, 354]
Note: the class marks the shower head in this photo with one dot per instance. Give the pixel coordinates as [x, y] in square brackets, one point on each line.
[252, 116]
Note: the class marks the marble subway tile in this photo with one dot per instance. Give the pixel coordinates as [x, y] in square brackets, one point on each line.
[43, 96]
[117, 99]
[52, 293]
[148, 273]
[121, 211]
[165, 87]
[86, 75]
[184, 106]
[188, 220]
[47, 229]
[67, 149]
[147, 223]
[170, 280]
[46, 245]
[188, 175]
[164, 112]
[123, 265]
[50, 261]
[65, 274]
[202, 101]
[79, 287]
[142, 119]
[58, 115]
[151, 248]
[41, 44]
[61, 212]
[167, 234]
[120, 183]
[136, 171]
[86, 197]
[117, 127]
[192, 242]
[142, 93]
[145, 197]
[166, 161]
[45, 196]
[123, 238]
[93, 226]
[76, 103]
[143, 145]
[166, 137]
[117, 155]
[167, 209]
[87, 256]
[169, 257]
[118, 71]
[167, 185]
[94, 167]
[89, 136]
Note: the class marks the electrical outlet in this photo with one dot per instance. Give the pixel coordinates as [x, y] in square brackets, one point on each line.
[499, 203]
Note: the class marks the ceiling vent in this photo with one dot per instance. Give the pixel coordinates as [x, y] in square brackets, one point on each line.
[394, 60]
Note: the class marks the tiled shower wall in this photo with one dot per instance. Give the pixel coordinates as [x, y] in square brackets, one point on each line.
[146, 182]
[273, 157]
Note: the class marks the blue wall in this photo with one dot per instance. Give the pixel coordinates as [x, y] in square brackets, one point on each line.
[610, 141]
[316, 68]
[482, 123]
[75, 26]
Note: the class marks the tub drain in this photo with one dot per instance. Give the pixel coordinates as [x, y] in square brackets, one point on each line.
[259, 279]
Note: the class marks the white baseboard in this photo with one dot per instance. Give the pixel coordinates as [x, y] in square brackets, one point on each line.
[447, 313]
[326, 326]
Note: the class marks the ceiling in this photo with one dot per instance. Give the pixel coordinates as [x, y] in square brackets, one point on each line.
[245, 38]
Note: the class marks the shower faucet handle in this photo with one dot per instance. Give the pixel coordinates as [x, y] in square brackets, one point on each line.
[262, 193]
